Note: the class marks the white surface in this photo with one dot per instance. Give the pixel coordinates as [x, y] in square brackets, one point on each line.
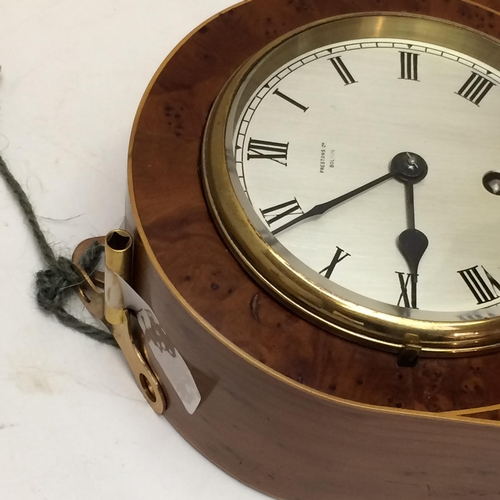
[72, 423]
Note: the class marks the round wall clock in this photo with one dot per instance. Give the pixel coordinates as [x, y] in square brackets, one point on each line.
[314, 190]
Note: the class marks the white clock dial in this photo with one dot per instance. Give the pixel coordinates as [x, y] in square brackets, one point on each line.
[331, 121]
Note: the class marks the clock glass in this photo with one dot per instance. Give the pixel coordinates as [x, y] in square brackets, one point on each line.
[363, 160]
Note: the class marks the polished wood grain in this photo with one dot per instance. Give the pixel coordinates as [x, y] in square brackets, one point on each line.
[282, 405]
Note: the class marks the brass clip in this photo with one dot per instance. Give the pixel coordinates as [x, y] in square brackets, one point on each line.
[109, 306]
[408, 356]
[91, 291]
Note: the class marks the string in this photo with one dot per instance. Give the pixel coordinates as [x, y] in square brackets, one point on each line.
[61, 277]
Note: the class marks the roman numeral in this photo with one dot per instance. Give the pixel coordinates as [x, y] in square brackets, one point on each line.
[290, 100]
[342, 70]
[408, 286]
[476, 88]
[483, 287]
[409, 66]
[267, 150]
[275, 214]
[340, 255]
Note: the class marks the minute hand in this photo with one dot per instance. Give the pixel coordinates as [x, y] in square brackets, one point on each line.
[324, 207]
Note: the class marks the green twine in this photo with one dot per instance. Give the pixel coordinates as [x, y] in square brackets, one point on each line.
[61, 277]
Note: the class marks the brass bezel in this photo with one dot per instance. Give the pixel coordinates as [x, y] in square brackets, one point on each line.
[334, 308]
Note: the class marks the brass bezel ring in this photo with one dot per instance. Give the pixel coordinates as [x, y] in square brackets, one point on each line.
[336, 309]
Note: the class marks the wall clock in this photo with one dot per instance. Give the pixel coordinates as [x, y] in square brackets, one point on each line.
[313, 191]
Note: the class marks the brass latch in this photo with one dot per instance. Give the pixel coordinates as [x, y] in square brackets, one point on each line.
[408, 356]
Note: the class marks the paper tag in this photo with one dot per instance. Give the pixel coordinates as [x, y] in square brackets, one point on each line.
[163, 349]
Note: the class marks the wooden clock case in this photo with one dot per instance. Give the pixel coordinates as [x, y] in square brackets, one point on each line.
[287, 408]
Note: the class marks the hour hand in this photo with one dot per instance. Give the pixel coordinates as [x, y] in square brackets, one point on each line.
[412, 243]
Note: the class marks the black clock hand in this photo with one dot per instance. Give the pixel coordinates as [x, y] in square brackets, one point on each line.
[412, 243]
[410, 205]
[324, 207]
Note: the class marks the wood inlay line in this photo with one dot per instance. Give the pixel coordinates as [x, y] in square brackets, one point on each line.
[482, 6]
[470, 411]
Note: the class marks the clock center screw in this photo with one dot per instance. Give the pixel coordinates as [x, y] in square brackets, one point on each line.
[409, 167]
